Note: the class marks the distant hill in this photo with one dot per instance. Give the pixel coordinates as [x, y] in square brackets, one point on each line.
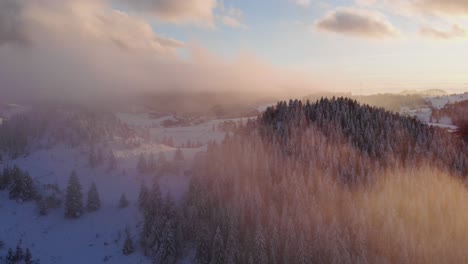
[392, 102]
[429, 92]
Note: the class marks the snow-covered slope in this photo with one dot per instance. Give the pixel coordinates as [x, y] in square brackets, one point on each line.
[98, 236]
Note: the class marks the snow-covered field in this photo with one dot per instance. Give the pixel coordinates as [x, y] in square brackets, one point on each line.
[98, 236]
[441, 101]
[437, 102]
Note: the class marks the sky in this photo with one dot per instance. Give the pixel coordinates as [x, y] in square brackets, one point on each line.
[89, 47]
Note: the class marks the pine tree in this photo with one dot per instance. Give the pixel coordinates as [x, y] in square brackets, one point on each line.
[203, 249]
[261, 253]
[92, 160]
[141, 165]
[123, 202]
[112, 161]
[167, 251]
[10, 259]
[19, 254]
[73, 198]
[128, 244]
[143, 196]
[93, 202]
[162, 162]
[99, 158]
[151, 164]
[28, 257]
[179, 156]
[217, 254]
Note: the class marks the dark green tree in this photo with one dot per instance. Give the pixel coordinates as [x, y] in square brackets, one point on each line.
[73, 198]
[93, 202]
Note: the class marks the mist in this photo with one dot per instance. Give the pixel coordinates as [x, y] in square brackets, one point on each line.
[86, 50]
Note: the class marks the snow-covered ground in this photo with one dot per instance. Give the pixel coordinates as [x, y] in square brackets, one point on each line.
[98, 236]
[441, 101]
[53, 238]
[437, 102]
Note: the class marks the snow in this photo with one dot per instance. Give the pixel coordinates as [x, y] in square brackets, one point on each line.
[441, 101]
[93, 233]
[94, 236]
[9, 110]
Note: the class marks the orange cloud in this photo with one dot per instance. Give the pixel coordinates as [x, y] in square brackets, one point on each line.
[357, 22]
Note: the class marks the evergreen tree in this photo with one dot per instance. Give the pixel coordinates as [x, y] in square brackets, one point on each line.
[5, 178]
[217, 255]
[73, 198]
[128, 244]
[142, 165]
[92, 160]
[167, 251]
[179, 156]
[151, 164]
[123, 202]
[10, 258]
[28, 257]
[42, 206]
[261, 253]
[112, 161]
[100, 157]
[21, 185]
[162, 162]
[93, 202]
[203, 249]
[19, 254]
[143, 196]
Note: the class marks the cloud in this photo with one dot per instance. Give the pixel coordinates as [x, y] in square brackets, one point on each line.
[11, 27]
[232, 18]
[87, 49]
[357, 22]
[199, 12]
[454, 32]
[303, 3]
[441, 8]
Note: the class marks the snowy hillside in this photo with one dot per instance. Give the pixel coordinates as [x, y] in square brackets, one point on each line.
[98, 236]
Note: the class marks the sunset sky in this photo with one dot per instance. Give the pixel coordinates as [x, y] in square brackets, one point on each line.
[363, 46]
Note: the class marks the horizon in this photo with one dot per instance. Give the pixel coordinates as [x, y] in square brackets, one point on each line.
[84, 49]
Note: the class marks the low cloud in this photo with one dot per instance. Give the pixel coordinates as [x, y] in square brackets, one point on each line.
[303, 3]
[199, 12]
[233, 18]
[443, 8]
[87, 49]
[454, 32]
[357, 22]
[11, 25]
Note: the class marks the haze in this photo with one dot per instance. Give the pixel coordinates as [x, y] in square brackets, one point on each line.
[97, 47]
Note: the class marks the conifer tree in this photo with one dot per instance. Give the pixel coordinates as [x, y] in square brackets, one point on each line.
[123, 202]
[142, 165]
[203, 249]
[112, 161]
[128, 244]
[28, 257]
[143, 196]
[217, 255]
[167, 251]
[10, 258]
[19, 254]
[92, 160]
[261, 253]
[73, 198]
[179, 155]
[93, 202]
